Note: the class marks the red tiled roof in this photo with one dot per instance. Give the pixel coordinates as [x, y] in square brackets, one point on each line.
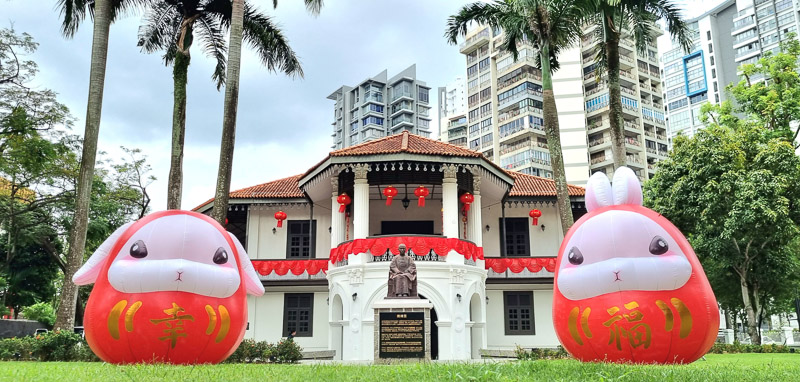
[406, 143]
[286, 188]
[524, 185]
[531, 185]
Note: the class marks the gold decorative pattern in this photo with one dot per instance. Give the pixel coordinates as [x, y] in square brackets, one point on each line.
[667, 315]
[585, 322]
[113, 319]
[572, 324]
[212, 319]
[129, 315]
[226, 324]
[685, 315]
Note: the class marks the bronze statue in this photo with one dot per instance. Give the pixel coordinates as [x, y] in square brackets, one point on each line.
[402, 276]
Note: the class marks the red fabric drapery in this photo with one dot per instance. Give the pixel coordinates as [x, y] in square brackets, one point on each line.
[517, 264]
[420, 245]
[297, 267]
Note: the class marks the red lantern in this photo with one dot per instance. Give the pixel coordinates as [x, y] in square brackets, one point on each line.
[421, 192]
[344, 201]
[467, 199]
[535, 214]
[280, 216]
[390, 192]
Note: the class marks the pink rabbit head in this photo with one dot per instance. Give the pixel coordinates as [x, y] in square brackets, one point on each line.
[620, 245]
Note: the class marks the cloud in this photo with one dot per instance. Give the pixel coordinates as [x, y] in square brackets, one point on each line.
[284, 124]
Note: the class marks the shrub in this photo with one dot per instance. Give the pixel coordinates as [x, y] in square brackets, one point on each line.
[52, 346]
[287, 351]
[537, 353]
[251, 351]
[42, 312]
[738, 347]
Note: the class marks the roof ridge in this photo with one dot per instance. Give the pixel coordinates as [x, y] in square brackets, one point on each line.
[404, 142]
[386, 138]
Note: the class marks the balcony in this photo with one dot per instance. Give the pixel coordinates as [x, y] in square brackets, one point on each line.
[599, 141]
[430, 248]
[397, 95]
[291, 270]
[374, 97]
[404, 119]
[511, 81]
[598, 160]
[513, 113]
[473, 42]
[519, 97]
[743, 25]
[520, 267]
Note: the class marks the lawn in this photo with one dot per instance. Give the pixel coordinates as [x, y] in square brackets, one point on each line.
[733, 367]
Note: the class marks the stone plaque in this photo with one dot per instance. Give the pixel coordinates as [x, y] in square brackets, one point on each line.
[402, 335]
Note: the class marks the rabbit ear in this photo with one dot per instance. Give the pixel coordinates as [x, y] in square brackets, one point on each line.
[598, 192]
[88, 273]
[627, 189]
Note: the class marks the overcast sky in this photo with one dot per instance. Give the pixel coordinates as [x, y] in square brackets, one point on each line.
[284, 125]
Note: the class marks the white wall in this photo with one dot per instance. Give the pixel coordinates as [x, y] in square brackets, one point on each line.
[263, 244]
[543, 321]
[265, 314]
[379, 211]
[543, 243]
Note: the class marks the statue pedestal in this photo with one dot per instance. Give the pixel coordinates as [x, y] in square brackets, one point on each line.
[402, 330]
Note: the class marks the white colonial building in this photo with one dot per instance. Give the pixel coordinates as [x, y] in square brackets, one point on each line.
[324, 269]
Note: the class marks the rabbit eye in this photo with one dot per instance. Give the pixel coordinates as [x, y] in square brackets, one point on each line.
[138, 250]
[221, 256]
[575, 256]
[658, 246]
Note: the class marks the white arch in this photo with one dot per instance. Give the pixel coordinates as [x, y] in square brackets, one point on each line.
[338, 290]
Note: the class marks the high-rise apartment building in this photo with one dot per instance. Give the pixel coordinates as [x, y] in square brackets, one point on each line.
[734, 33]
[381, 106]
[453, 113]
[504, 107]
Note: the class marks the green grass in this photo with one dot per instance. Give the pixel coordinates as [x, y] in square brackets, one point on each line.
[729, 367]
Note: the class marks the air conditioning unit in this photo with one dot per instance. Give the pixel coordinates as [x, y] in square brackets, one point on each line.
[548, 175]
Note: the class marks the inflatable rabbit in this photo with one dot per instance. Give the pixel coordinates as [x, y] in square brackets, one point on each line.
[170, 287]
[628, 286]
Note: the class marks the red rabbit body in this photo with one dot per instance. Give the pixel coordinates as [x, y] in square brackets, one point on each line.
[170, 287]
[629, 287]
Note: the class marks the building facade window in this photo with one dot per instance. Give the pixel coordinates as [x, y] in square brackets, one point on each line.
[711, 58]
[710, 48]
[518, 308]
[516, 238]
[372, 120]
[475, 143]
[298, 239]
[708, 35]
[298, 314]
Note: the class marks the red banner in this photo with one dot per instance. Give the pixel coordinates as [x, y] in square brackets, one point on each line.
[297, 267]
[419, 245]
[517, 264]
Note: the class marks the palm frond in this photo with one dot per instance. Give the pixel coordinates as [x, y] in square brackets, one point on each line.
[212, 39]
[642, 26]
[314, 7]
[159, 26]
[73, 13]
[270, 44]
[676, 26]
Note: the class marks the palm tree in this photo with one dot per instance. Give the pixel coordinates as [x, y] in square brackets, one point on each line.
[638, 18]
[278, 59]
[172, 26]
[74, 11]
[551, 26]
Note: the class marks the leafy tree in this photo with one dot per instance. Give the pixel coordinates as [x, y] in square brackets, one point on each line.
[172, 27]
[42, 312]
[551, 26]
[613, 19]
[733, 189]
[231, 103]
[774, 103]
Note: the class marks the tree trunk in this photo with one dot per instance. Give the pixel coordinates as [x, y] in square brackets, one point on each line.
[65, 316]
[614, 96]
[752, 321]
[229, 117]
[179, 77]
[553, 134]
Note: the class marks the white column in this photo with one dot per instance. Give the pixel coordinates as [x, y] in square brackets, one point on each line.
[450, 202]
[474, 222]
[337, 218]
[361, 203]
